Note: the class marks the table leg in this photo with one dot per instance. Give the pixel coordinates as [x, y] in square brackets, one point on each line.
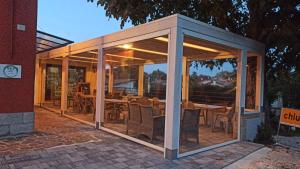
[206, 116]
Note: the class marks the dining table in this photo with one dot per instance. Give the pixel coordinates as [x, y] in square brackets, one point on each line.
[210, 108]
[206, 109]
[117, 103]
[86, 99]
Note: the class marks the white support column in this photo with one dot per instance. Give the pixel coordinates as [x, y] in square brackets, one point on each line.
[37, 82]
[43, 83]
[241, 88]
[173, 96]
[141, 81]
[259, 83]
[185, 79]
[100, 97]
[110, 79]
[64, 84]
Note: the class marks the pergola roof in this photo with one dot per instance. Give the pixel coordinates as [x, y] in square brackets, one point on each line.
[210, 36]
[46, 42]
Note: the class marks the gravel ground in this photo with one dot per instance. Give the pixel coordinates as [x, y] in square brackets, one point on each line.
[278, 158]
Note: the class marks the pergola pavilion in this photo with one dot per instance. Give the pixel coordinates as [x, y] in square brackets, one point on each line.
[176, 41]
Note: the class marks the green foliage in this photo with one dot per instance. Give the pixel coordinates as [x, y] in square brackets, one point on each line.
[276, 23]
[289, 86]
[264, 135]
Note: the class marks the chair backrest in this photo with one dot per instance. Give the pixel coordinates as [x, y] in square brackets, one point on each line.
[231, 113]
[191, 117]
[84, 88]
[188, 105]
[134, 112]
[147, 115]
[144, 101]
[156, 105]
[116, 96]
[155, 101]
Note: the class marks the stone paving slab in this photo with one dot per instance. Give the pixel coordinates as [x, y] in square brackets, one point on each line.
[122, 154]
[61, 143]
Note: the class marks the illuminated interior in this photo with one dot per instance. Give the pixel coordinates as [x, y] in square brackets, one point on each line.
[136, 75]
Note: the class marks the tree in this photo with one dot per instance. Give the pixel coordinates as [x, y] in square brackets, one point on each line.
[276, 23]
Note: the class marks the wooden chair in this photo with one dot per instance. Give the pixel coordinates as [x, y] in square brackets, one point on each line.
[190, 124]
[225, 119]
[134, 118]
[151, 125]
[80, 103]
[55, 95]
[109, 112]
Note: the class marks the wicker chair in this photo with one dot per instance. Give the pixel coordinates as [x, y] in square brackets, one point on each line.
[134, 118]
[190, 105]
[151, 125]
[76, 104]
[144, 101]
[156, 106]
[190, 124]
[225, 118]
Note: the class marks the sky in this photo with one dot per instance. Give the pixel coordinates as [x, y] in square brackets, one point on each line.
[76, 20]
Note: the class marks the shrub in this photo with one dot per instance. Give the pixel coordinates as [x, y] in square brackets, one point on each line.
[264, 135]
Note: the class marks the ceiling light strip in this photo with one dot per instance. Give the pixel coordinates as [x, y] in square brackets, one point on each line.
[80, 57]
[190, 45]
[120, 56]
[142, 50]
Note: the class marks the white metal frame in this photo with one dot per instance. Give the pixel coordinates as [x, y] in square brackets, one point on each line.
[176, 27]
[100, 95]
[173, 95]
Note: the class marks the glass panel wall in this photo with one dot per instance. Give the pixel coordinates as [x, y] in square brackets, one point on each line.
[155, 80]
[251, 83]
[82, 80]
[51, 83]
[125, 80]
[208, 115]
[135, 92]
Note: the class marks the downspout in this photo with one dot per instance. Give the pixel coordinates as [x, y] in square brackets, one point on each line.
[12, 27]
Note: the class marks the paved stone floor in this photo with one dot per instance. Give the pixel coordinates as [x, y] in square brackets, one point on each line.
[61, 143]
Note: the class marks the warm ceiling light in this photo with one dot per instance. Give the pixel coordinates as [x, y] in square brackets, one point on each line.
[93, 52]
[162, 39]
[120, 56]
[126, 46]
[84, 61]
[111, 60]
[190, 45]
[80, 57]
[150, 51]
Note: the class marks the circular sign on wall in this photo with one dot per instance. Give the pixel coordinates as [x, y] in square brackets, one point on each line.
[10, 71]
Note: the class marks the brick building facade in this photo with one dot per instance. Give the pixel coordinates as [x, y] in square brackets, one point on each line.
[18, 20]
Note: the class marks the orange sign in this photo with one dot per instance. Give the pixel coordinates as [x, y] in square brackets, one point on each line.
[290, 117]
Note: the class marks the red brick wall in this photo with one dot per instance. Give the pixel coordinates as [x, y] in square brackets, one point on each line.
[17, 47]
